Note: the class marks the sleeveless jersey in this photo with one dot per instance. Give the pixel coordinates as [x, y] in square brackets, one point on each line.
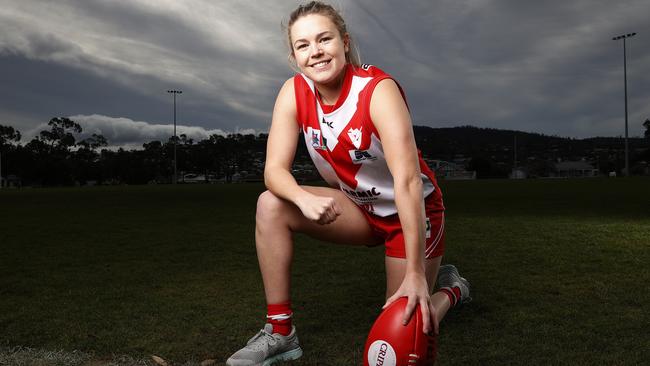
[345, 146]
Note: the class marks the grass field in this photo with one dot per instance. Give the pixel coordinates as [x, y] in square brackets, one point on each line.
[559, 270]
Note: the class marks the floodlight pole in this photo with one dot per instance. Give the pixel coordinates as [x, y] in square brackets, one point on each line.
[515, 151]
[627, 155]
[174, 92]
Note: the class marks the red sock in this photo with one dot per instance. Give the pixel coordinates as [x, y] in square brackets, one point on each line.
[279, 315]
[453, 293]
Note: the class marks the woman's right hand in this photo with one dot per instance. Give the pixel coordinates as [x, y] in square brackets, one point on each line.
[320, 209]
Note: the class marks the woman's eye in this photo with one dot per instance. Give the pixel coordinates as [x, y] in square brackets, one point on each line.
[301, 46]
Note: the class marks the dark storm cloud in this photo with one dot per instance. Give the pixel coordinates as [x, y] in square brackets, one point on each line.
[119, 58]
[548, 67]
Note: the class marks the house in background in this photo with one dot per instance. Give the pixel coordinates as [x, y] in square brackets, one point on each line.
[10, 181]
[450, 170]
[518, 173]
[575, 169]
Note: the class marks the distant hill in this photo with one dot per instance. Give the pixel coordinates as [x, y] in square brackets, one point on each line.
[466, 142]
[446, 143]
[491, 152]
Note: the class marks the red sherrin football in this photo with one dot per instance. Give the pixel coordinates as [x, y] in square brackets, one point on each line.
[392, 344]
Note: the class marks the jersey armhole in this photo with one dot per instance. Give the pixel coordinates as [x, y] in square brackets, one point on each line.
[370, 89]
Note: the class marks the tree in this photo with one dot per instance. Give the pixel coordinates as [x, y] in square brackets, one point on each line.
[86, 164]
[51, 150]
[646, 154]
[483, 167]
[157, 163]
[8, 134]
[93, 142]
[540, 168]
[60, 134]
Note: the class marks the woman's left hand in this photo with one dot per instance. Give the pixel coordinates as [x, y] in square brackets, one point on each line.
[415, 288]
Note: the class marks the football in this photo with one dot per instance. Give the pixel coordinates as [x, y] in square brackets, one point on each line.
[390, 343]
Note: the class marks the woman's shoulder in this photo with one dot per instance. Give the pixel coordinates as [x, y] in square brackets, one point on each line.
[378, 78]
[288, 86]
[369, 70]
[286, 97]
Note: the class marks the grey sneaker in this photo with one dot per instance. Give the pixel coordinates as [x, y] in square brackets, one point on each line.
[448, 277]
[266, 348]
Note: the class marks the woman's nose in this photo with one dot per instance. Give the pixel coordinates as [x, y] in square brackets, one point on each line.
[316, 50]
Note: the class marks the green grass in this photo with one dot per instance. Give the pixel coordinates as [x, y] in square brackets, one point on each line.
[559, 270]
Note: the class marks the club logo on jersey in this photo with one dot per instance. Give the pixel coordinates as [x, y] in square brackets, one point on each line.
[368, 195]
[328, 124]
[355, 136]
[359, 156]
[317, 140]
[365, 66]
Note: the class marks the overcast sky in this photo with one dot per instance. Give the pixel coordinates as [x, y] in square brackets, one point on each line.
[548, 66]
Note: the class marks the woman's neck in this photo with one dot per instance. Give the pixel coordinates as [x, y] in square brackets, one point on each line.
[330, 93]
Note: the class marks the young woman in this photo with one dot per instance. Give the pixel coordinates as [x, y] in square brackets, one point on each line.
[358, 131]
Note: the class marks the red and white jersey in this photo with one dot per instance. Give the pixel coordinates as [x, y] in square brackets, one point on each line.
[345, 145]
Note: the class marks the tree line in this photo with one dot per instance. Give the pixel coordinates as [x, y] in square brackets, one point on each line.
[55, 158]
[491, 152]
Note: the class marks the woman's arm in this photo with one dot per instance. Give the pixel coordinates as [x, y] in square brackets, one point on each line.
[393, 122]
[280, 152]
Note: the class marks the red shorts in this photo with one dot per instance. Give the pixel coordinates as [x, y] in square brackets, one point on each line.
[389, 229]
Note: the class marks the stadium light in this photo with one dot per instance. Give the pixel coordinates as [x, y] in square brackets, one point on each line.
[627, 154]
[174, 92]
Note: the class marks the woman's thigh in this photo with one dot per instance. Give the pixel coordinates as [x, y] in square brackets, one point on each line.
[350, 227]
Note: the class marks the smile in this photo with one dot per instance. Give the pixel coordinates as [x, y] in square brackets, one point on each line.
[321, 64]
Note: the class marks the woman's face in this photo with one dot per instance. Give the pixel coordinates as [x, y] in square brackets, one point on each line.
[318, 48]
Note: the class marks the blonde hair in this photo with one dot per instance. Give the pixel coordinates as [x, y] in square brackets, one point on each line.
[316, 7]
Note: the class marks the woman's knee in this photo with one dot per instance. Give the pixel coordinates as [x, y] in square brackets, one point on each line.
[270, 208]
